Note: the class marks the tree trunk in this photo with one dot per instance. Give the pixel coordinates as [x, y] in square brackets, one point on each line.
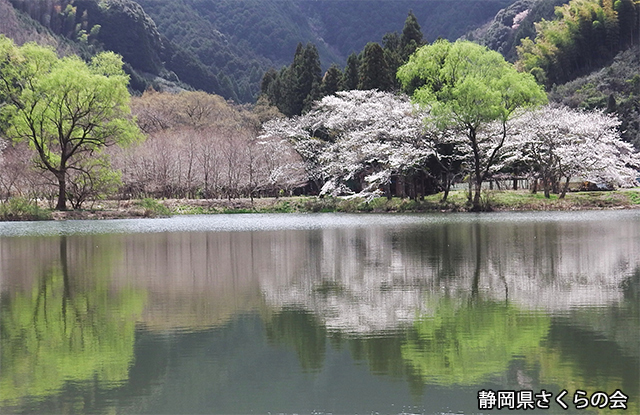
[400, 187]
[62, 190]
[477, 207]
[478, 177]
[565, 188]
[447, 187]
[547, 187]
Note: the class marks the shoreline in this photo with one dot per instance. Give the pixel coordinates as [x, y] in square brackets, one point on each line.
[495, 201]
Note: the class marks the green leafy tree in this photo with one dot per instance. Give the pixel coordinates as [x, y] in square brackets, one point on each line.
[66, 109]
[467, 88]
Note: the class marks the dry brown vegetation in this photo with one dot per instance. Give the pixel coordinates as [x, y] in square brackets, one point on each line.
[197, 146]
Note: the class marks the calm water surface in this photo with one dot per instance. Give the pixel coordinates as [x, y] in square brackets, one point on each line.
[319, 313]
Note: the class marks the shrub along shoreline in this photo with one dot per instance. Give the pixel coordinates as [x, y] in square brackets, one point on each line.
[509, 200]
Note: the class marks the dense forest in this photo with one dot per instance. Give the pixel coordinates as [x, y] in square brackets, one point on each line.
[304, 127]
[216, 31]
[295, 88]
[206, 44]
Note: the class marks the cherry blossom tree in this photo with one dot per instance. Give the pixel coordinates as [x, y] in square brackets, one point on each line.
[355, 141]
[557, 142]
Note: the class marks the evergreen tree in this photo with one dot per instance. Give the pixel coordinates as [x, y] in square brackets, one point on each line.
[351, 74]
[331, 80]
[411, 38]
[393, 55]
[283, 90]
[374, 71]
[267, 85]
[627, 16]
[306, 75]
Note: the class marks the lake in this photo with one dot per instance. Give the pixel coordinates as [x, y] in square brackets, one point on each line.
[322, 313]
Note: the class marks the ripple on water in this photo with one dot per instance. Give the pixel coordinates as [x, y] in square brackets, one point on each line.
[290, 221]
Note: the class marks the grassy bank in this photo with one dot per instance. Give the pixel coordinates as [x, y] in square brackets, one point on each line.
[457, 202]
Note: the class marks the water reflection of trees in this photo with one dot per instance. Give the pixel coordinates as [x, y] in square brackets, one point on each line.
[467, 343]
[475, 299]
[472, 343]
[371, 280]
[299, 330]
[67, 330]
[413, 303]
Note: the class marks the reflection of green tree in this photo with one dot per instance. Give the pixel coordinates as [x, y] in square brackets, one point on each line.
[465, 343]
[557, 366]
[300, 330]
[381, 353]
[66, 330]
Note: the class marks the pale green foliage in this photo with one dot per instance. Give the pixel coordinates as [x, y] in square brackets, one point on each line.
[65, 331]
[466, 84]
[467, 344]
[467, 87]
[65, 108]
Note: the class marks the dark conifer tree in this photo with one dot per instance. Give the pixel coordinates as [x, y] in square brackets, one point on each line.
[314, 94]
[306, 75]
[284, 90]
[374, 71]
[267, 85]
[412, 37]
[393, 56]
[331, 80]
[351, 75]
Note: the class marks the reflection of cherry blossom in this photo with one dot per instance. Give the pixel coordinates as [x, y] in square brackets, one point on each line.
[374, 280]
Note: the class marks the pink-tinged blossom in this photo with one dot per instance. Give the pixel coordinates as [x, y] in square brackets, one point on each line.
[356, 136]
[557, 142]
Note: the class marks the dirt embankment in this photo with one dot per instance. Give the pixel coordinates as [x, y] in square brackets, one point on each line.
[498, 201]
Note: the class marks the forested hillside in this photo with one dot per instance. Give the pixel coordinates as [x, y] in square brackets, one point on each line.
[239, 40]
[226, 46]
[86, 27]
[587, 56]
[512, 24]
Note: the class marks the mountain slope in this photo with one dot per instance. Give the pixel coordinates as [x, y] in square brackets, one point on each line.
[512, 24]
[225, 46]
[238, 40]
